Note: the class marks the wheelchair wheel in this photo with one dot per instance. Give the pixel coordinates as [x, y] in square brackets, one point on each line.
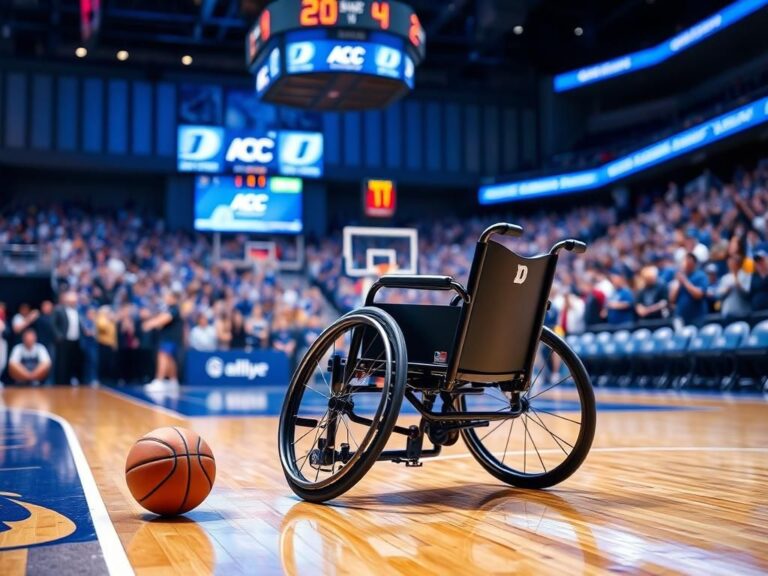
[342, 404]
[550, 427]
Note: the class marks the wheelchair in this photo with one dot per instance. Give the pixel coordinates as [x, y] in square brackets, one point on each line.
[483, 368]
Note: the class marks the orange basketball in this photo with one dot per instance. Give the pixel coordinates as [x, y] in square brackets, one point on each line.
[170, 470]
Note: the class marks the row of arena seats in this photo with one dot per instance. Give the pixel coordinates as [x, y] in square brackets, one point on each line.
[713, 356]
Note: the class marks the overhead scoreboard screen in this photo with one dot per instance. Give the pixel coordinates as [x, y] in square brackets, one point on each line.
[335, 54]
[250, 204]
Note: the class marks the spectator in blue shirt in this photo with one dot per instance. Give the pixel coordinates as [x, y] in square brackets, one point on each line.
[621, 303]
[688, 292]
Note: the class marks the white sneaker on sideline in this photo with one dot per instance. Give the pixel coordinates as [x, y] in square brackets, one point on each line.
[156, 385]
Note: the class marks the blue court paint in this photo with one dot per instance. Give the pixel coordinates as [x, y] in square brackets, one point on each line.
[39, 483]
[267, 401]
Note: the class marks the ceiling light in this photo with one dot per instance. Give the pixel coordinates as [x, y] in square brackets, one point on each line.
[517, 30]
[578, 30]
[186, 59]
[122, 55]
[81, 52]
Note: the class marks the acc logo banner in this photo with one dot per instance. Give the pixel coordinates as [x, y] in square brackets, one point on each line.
[346, 57]
[200, 148]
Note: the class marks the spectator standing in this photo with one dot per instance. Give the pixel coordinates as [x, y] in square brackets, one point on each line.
[3, 341]
[90, 348]
[733, 289]
[758, 290]
[170, 327]
[257, 328]
[29, 362]
[127, 345]
[688, 292]
[106, 339]
[652, 303]
[283, 338]
[713, 278]
[45, 333]
[67, 329]
[203, 336]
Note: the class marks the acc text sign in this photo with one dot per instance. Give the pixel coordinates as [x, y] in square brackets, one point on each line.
[383, 57]
[237, 368]
[212, 149]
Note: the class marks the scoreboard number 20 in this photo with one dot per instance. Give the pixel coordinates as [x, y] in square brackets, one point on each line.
[319, 12]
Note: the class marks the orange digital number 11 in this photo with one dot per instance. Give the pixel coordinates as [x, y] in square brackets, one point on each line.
[319, 12]
[380, 12]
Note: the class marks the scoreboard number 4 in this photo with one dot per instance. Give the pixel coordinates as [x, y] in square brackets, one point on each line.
[319, 12]
[380, 12]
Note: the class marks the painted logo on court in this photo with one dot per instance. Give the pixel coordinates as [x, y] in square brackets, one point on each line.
[25, 524]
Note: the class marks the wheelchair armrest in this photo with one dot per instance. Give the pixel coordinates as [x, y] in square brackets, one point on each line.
[417, 282]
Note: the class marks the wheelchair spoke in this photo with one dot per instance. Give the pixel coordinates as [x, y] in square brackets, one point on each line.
[492, 430]
[536, 419]
[314, 443]
[549, 387]
[322, 375]
[506, 446]
[349, 434]
[525, 424]
[555, 415]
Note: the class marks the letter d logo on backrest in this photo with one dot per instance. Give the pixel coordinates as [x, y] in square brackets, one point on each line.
[522, 274]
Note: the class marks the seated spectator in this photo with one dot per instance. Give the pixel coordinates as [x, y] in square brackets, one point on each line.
[257, 329]
[203, 336]
[237, 331]
[24, 318]
[758, 290]
[223, 326]
[620, 305]
[688, 292]
[733, 289]
[652, 301]
[29, 362]
[283, 338]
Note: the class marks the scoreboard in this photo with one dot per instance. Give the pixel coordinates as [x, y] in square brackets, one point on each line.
[335, 54]
[388, 16]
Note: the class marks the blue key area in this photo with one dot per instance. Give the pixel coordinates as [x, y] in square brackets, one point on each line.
[267, 401]
[39, 484]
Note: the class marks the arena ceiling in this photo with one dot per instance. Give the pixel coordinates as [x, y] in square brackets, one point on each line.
[483, 40]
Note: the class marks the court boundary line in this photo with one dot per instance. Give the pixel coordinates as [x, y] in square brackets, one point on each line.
[144, 403]
[115, 556]
[740, 449]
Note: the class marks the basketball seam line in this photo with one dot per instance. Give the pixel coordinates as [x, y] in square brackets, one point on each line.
[200, 461]
[163, 442]
[161, 459]
[164, 480]
[189, 469]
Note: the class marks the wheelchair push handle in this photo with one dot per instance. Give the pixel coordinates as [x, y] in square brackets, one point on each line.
[576, 246]
[502, 228]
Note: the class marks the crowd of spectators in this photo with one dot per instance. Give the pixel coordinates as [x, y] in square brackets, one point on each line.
[675, 257]
[133, 297]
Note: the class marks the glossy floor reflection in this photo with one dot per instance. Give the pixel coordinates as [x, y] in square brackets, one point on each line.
[664, 490]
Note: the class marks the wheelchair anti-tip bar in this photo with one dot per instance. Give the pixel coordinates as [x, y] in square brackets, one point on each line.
[576, 246]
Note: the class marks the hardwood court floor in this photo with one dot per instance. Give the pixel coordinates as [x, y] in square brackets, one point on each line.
[663, 491]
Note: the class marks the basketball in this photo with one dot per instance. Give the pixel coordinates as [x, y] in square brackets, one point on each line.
[170, 471]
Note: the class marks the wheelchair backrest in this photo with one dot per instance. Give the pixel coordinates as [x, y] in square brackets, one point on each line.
[503, 322]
